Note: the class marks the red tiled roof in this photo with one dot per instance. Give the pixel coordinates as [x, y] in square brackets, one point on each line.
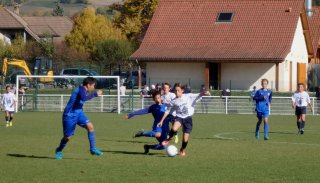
[314, 25]
[187, 30]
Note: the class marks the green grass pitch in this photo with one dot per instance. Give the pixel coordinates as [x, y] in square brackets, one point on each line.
[222, 149]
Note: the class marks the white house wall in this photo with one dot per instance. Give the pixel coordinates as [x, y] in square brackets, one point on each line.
[176, 72]
[244, 76]
[5, 39]
[298, 54]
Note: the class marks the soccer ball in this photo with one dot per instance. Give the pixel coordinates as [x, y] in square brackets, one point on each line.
[172, 150]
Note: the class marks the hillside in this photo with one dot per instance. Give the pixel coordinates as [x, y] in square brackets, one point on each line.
[44, 7]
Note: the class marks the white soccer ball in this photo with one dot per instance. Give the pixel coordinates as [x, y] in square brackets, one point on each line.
[172, 150]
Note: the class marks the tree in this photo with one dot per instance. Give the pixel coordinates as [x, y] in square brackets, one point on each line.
[58, 10]
[17, 48]
[105, 11]
[90, 28]
[113, 51]
[46, 44]
[66, 56]
[134, 15]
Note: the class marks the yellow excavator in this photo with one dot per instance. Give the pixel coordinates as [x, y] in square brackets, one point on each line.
[43, 66]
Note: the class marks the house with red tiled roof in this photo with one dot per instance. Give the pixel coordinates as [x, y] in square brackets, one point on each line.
[230, 44]
[33, 28]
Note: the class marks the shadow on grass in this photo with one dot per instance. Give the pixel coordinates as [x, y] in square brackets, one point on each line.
[29, 156]
[125, 141]
[284, 132]
[39, 157]
[133, 153]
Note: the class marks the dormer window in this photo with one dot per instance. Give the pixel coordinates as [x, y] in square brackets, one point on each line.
[225, 17]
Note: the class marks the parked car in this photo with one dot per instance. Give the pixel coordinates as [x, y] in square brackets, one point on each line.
[101, 82]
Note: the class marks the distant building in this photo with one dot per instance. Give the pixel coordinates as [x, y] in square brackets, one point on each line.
[235, 42]
[33, 28]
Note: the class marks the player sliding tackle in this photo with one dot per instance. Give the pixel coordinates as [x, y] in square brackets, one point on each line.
[73, 115]
[160, 133]
[183, 105]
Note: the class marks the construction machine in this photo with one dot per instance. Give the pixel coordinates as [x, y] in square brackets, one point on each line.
[42, 66]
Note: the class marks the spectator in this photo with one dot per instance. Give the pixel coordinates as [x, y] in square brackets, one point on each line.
[153, 90]
[123, 89]
[187, 89]
[205, 100]
[252, 94]
[144, 92]
[225, 92]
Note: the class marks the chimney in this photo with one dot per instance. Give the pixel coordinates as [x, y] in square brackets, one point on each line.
[16, 8]
[308, 4]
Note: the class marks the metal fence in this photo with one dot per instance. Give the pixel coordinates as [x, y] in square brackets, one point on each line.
[208, 104]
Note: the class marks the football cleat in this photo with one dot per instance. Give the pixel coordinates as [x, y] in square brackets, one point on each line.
[182, 152]
[58, 155]
[138, 134]
[266, 138]
[96, 151]
[146, 149]
[176, 139]
[257, 135]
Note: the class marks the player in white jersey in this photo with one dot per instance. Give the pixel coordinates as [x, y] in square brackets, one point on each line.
[8, 102]
[166, 98]
[183, 105]
[300, 101]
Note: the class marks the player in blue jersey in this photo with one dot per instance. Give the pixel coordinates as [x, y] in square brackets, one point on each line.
[73, 115]
[160, 133]
[263, 98]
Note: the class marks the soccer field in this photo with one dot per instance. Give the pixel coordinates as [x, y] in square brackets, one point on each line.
[222, 149]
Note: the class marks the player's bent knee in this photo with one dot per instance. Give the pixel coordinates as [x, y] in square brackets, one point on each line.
[158, 135]
[90, 127]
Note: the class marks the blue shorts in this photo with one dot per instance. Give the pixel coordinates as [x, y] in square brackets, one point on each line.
[71, 120]
[262, 115]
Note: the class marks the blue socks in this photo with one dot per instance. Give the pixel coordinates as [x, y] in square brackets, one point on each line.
[266, 128]
[258, 126]
[91, 137]
[63, 143]
[149, 134]
[92, 140]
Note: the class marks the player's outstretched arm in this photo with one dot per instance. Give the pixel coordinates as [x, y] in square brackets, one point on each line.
[139, 112]
[85, 97]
